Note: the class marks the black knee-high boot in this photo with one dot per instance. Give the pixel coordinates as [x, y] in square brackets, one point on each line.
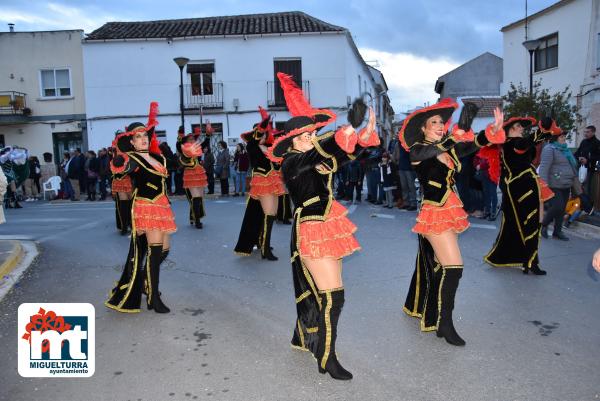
[265, 248]
[163, 256]
[153, 260]
[196, 202]
[188, 196]
[332, 302]
[125, 211]
[118, 219]
[448, 285]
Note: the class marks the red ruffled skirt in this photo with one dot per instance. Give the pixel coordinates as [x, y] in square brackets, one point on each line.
[545, 191]
[438, 219]
[121, 185]
[332, 238]
[195, 177]
[272, 184]
[156, 215]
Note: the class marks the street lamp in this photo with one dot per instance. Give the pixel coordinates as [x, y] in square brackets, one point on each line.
[531, 46]
[181, 62]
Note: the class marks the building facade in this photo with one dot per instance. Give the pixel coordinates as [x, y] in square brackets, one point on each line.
[42, 101]
[230, 72]
[567, 55]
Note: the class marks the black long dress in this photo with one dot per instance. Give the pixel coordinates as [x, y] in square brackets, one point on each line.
[148, 184]
[518, 240]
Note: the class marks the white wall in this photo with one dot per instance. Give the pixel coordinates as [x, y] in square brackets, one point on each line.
[122, 78]
[572, 22]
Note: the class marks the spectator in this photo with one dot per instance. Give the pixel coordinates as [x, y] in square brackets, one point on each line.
[209, 166]
[490, 187]
[222, 168]
[82, 172]
[354, 181]
[103, 172]
[241, 164]
[67, 188]
[386, 176]
[92, 169]
[31, 189]
[74, 169]
[372, 173]
[172, 164]
[407, 178]
[588, 155]
[558, 169]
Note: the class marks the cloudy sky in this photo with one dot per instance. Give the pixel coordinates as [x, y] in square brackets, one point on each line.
[413, 42]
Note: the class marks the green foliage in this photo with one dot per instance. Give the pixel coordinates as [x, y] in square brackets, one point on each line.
[517, 102]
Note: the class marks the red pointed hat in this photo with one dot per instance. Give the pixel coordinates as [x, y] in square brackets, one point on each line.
[305, 118]
[525, 122]
[411, 133]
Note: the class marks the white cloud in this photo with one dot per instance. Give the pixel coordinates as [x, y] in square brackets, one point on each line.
[410, 78]
[55, 16]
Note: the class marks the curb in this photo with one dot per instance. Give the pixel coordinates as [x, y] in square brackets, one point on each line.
[13, 260]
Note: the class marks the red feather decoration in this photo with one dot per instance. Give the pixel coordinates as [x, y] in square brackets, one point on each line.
[492, 155]
[263, 113]
[152, 114]
[294, 97]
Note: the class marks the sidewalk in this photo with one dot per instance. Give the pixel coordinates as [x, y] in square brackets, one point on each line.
[15, 257]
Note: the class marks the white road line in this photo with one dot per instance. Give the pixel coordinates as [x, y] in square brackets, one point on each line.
[486, 226]
[383, 216]
[20, 237]
[42, 220]
[221, 201]
[65, 232]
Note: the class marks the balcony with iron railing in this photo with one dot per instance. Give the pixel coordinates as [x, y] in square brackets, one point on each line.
[13, 103]
[275, 97]
[207, 96]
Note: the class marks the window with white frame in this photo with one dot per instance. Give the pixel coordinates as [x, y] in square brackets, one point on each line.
[202, 77]
[55, 82]
[546, 55]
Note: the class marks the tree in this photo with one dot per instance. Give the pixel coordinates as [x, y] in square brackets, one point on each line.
[541, 103]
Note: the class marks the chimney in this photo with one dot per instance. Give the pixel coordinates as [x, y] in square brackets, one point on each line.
[11, 27]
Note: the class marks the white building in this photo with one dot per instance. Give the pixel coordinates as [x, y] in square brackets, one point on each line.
[568, 53]
[231, 71]
[42, 104]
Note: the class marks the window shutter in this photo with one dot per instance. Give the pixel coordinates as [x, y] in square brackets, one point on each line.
[199, 68]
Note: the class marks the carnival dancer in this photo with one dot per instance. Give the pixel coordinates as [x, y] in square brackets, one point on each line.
[321, 234]
[152, 217]
[194, 175]
[122, 190]
[266, 186]
[435, 154]
[523, 195]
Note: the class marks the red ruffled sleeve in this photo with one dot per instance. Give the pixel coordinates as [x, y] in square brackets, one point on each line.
[468, 136]
[496, 138]
[346, 142]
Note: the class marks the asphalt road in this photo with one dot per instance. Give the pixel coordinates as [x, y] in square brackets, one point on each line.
[227, 338]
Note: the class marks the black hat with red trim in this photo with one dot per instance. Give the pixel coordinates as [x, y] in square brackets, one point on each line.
[411, 132]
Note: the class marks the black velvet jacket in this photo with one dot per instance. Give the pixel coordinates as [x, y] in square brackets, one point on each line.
[259, 163]
[148, 183]
[308, 176]
[435, 177]
[518, 153]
